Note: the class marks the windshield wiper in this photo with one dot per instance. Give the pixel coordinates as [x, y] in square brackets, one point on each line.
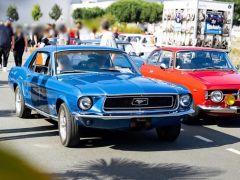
[110, 69]
[73, 71]
[207, 68]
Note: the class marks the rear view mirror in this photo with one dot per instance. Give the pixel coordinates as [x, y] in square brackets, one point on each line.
[141, 54]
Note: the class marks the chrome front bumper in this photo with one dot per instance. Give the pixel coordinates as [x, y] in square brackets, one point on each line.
[220, 110]
[112, 116]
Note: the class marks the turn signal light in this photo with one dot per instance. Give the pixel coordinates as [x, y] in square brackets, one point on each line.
[230, 100]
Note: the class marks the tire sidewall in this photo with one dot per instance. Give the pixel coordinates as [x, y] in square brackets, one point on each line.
[18, 91]
[67, 114]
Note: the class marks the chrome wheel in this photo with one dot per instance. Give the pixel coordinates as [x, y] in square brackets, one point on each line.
[18, 102]
[63, 125]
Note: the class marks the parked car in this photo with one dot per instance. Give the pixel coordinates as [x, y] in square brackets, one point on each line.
[207, 73]
[123, 45]
[143, 44]
[96, 87]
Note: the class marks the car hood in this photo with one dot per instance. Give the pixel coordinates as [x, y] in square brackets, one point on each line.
[216, 78]
[114, 83]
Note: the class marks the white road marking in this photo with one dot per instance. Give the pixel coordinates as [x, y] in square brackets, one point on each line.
[203, 138]
[233, 151]
[44, 146]
[182, 129]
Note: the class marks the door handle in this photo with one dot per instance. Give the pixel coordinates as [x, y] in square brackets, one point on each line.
[151, 71]
[28, 75]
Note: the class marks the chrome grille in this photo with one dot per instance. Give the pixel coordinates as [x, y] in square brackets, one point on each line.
[140, 102]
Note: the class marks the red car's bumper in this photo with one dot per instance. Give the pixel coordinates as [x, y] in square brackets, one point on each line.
[219, 111]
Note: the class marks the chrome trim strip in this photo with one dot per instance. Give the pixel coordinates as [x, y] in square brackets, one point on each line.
[219, 109]
[140, 109]
[42, 113]
[104, 117]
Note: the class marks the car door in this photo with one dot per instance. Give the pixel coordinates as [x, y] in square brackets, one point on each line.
[150, 67]
[159, 65]
[36, 82]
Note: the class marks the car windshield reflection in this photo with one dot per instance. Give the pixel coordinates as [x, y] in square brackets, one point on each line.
[203, 60]
[93, 61]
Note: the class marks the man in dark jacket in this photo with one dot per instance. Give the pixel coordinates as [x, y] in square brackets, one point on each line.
[6, 42]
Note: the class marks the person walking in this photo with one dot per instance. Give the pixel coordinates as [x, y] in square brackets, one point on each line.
[108, 38]
[20, 45]
[6, 42]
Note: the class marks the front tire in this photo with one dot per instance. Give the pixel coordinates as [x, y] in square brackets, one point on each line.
[22, 111]
[68, 128]
[193, 119]
[168, 133]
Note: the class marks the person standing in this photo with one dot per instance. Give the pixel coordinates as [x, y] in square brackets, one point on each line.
[108, 38]
[20, 45]
[6, 42]
[63, 35]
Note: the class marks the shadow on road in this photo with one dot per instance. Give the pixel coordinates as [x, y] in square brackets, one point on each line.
[7, 113]
[3, 83]
[219, 121]
[129, 169]
[143, 141]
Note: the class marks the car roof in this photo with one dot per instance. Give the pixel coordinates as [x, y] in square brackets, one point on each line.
[98, 41]
[187, 48]
[52, 48]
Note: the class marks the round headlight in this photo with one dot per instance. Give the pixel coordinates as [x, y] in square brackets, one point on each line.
[185, 100]
[85, 103]
[216, 96]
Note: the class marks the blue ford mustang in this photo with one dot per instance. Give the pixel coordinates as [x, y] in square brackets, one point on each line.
[96, 87]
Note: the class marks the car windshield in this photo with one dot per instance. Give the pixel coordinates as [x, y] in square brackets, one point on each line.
[93, 61]
[203, 60]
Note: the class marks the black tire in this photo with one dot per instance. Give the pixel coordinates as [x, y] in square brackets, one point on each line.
[72, 136]
[21, 109]
[193, 119]
[168, 133]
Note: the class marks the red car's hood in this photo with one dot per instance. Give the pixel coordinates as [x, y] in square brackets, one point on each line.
[217, 78]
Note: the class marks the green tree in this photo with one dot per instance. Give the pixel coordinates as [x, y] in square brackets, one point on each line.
[126, 10]
[151, 12]
[12, 13]
[77, 14]
[36, 12]
[87, 13]
[55, 13]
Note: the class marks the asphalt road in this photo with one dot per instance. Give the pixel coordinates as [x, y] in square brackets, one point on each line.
[208, 151]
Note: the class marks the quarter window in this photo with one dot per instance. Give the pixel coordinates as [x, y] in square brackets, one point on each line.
[40, 63]
[153, 58]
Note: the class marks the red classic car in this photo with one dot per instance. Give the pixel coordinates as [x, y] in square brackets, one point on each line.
[208, 73]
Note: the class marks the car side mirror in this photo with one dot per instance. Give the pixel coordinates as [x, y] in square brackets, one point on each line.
[163, 66]
[132, 54]
[237, 67]
[141, 54]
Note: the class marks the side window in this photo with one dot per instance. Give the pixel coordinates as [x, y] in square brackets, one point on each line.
[41, 63]
[166, 59]
[153, 58]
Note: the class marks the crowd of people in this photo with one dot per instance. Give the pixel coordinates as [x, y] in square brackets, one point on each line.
[24, 38]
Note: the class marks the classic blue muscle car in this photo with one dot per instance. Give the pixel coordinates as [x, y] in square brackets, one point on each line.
[96, 87]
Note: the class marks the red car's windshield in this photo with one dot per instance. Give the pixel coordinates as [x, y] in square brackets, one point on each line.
[200, 60]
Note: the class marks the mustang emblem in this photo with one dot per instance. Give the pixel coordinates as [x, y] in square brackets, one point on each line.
[140, 101]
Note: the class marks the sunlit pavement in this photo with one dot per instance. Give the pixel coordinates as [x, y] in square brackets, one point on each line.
[210, 150]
